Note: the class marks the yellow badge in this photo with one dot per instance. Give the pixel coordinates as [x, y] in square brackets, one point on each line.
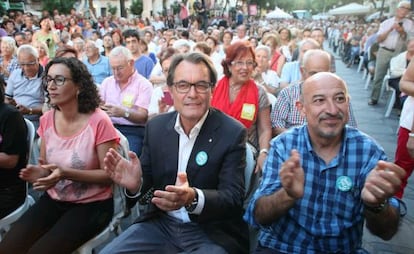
[127, 100]
[248, 111]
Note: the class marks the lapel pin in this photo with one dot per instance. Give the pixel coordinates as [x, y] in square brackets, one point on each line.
[201, 158]
[344, 183]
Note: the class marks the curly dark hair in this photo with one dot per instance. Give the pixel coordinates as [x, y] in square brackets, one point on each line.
[88, 97]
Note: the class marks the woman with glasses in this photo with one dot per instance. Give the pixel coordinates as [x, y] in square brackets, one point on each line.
[75, 136]
[238, 95]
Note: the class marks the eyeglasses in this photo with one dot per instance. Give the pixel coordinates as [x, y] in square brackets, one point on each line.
[28, 64]
[200, 86]
[58, 80]
[118, 68]
[240, 64]
[405, 8]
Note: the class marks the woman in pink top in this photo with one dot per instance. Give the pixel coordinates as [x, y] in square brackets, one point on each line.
[75, 136]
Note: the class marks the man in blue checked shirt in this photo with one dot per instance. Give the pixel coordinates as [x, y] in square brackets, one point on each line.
[323, 179]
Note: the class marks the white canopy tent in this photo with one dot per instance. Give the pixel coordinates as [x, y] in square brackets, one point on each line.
[278, 14]
[351, 9]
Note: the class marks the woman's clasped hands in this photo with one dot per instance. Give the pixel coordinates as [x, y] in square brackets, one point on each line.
[42, 176]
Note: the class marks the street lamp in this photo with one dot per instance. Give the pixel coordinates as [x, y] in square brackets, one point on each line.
[267, 6]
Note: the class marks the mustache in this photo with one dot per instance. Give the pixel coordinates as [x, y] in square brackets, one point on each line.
[328, 116]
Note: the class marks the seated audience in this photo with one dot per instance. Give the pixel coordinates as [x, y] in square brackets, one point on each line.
[98, 65]
[192, 174]
[262, 74]
[238, 95]
[13, 156]
[126, 96]
[75, 136]
[24, 88]
[285, 114]
[318, 188]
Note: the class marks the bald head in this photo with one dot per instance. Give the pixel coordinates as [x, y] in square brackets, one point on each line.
[325, 104]
[323, 82]
[314, 61]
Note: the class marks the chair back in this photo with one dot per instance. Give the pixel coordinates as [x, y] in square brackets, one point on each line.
[7, 221]
[120, 209]
[31, 133]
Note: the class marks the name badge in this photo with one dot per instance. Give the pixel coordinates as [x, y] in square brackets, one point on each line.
[127, 100]
[248, 111]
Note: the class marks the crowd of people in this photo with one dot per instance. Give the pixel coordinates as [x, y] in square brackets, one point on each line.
[189, 97]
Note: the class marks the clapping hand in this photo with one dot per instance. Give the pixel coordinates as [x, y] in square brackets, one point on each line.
[123, 172]
[292, 176]
[174, 196]
[382, 183]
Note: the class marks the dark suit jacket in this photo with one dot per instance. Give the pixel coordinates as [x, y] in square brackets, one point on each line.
[221, 179]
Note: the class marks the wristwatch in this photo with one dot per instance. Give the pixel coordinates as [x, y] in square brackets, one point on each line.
[264, 150]
[192, 206]
[126, 114]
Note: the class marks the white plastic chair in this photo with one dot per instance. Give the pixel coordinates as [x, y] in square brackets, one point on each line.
[361, 63]
[384, 84]
[367, 81]
[119, 211]
[391, 100]
[7, 221]
[272, 100]
[250, 166]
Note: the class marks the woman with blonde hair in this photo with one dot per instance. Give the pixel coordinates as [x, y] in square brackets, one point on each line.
[277, 60]
[8, 60]
[42, 49]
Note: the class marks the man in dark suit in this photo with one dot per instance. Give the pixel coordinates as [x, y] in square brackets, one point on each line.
[194, 159]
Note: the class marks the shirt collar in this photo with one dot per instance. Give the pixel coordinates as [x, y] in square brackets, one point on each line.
[39, 73]
[195, 130]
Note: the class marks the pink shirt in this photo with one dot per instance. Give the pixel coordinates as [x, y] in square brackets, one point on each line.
[77, 152]
[136, 94]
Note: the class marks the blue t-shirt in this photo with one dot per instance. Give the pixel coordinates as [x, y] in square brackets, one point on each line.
[144, 66]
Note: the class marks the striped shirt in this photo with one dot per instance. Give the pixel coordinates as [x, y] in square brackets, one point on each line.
[285, 113]
[328, 218]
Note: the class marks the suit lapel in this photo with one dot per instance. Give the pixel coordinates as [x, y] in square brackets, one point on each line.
[199, 158]
[170, 151]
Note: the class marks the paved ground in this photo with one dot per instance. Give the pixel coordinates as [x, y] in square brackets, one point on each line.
[372, 121]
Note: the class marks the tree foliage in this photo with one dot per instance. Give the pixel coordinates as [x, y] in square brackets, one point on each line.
[62, 6]
[136, 7]
[112, 8]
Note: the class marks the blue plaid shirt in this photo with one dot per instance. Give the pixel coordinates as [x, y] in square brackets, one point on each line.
[326, 219]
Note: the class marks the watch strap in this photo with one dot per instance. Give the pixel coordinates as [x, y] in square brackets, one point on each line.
[192, 206]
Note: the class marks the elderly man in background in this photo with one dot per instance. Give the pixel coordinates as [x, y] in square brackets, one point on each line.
[126, 97]
[97, 64]
[24, 88]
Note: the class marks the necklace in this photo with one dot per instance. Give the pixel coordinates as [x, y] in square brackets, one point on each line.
[234, 88]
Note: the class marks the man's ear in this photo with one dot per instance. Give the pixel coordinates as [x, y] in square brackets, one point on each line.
[300, 108]
[302, 70]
